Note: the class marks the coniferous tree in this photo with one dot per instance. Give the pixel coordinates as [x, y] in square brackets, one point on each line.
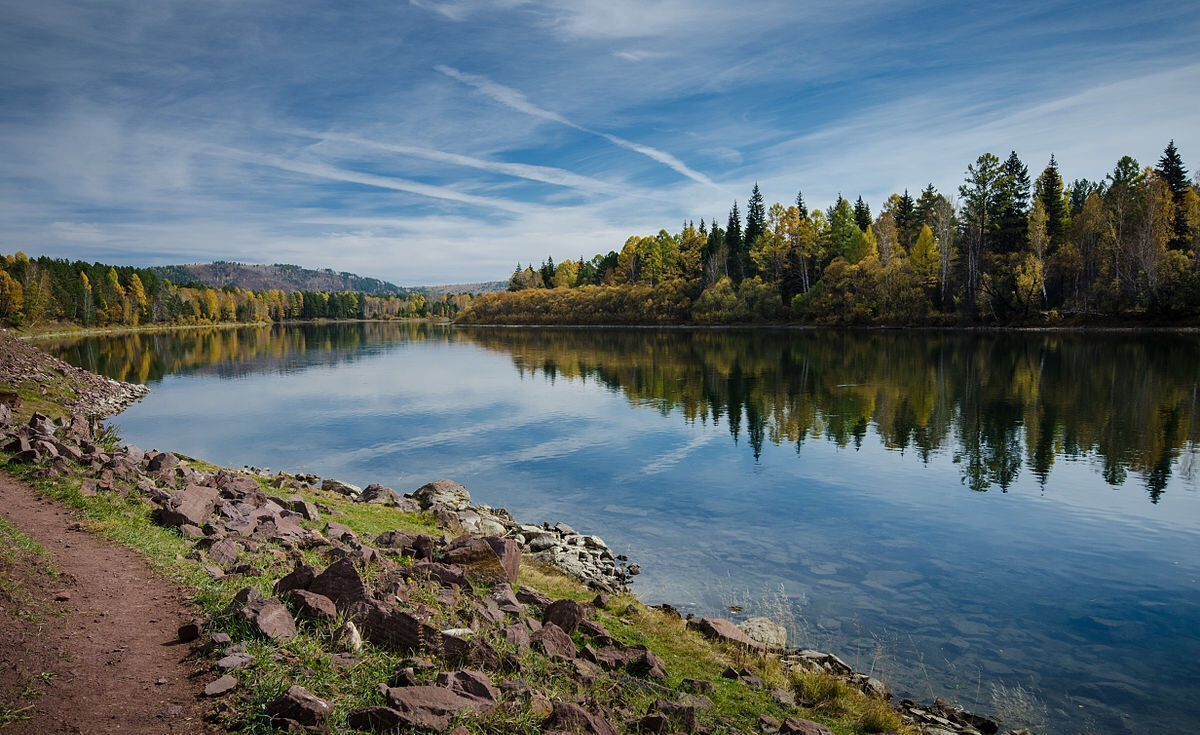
[1050, 192]
[756, 224]
[1012, 223]
[927, 205]
[800, 203]
[1170, 168]
[733, 243]
[862, 214]
[905, 214]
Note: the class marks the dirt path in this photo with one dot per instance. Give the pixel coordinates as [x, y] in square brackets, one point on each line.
[102, 661]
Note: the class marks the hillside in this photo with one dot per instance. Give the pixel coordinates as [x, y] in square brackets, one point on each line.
[281, 277]
[290, 278]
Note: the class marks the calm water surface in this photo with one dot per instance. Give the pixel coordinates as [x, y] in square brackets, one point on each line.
[1012, 521]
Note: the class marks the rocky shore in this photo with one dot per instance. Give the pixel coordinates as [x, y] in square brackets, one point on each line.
[88, 394]
[445, 595]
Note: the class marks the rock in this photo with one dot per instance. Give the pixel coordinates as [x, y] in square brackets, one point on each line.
[299, 705]
[766, 723]
[490, 559]
[602, 601]
[313, 606]
[447, 575]
[220, 686]
[379, 495]
[723, 631]
[554, 642]
[679, 717]
[190, 631]
[566, 614]
[269, 617]
[646, 664]
[766, 632]
[783, 698]
[430, 707]
[341, 583]
[194, 504]
[299, 578]
[306, 509]
[377, 719]
[163, 463]
[349, 636]
[224, 552]
[799, 726]
[443, 494]
[471, 684]
[341, 488]
[234, 661]
[571, 718]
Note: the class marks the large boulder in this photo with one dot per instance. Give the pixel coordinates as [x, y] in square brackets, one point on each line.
[191, 505]
[443, 494]
[379, 495]
[490, 559]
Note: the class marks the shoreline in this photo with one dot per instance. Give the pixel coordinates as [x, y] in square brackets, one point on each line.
[156, 328]
[581, 557]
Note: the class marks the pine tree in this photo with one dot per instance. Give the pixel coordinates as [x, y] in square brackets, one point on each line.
[907, 226]
[1170, 168]
[1013, 206]
[756, 217]
[862, 214]
[800, 203]
[927, 205]
[733, 243]
[1050, 192]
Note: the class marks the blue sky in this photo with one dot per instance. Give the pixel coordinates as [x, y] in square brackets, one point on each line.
[444, 140]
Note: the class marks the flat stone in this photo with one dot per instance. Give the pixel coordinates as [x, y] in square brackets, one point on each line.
[220, 686]
[299, 705]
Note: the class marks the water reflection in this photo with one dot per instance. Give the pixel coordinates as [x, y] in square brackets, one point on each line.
[840, 465]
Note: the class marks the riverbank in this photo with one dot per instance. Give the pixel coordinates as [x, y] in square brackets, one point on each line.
[601, 670]
[54, 330]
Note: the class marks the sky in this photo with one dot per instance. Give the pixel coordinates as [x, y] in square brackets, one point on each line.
[442, 141]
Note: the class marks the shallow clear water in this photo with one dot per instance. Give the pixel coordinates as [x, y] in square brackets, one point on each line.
[1011, 521]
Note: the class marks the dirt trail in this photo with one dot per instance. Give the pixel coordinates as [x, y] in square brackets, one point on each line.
[113, 667]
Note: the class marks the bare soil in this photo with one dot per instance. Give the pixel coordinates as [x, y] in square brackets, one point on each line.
[93, 648]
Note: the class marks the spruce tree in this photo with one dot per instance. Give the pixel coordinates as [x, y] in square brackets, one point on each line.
[1170, 168]
[862, 214]
[1012, 203]
[800, 203]
[1050, 192]
[907, 226]
[733, 243]
[756, 217]
[926, 205]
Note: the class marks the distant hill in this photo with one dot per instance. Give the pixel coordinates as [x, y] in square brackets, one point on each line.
[279, 276]
[453, 288]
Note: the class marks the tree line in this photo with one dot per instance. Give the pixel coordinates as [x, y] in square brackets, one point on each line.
[94, 294]
[1005, 247]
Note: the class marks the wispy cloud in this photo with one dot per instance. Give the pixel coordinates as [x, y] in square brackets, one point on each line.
[516, 100]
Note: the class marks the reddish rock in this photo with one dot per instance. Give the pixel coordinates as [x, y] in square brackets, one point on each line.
[447, 575]
[269, 617]
[798, 726]
[566, 614]
[431, 708]
[341, 583]
[571, 718]
[194, 504]
[518, 636]
[723, 631]
[298, 579]
[470, 684]
[220, 686]
[377, 719]
[490, 559]
[554, 642]
[647, 665]
[313, 606]
[224, 552]
[299, 705]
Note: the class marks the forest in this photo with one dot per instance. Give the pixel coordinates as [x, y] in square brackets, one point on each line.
[1005, 248]
[34, 291]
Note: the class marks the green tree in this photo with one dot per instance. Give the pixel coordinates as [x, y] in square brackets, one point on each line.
[734, 243]
[1012, 206]
[908, 225]
[1172, 171]
[1050, 192]
[862, 214]
[756, 223]
[980, 195]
